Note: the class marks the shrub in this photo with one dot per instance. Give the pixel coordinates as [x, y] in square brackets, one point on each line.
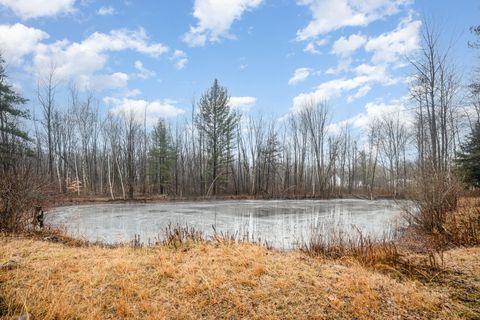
[432, 196]
[19, 194]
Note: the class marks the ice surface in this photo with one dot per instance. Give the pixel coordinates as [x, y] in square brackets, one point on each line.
[283, 224]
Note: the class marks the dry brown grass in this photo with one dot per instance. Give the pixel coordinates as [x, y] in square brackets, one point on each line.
[206, 280]
[367, 250]
[463, 225]
[462, 281]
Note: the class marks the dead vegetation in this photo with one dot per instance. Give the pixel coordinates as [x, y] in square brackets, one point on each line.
[187, 275]
[367, 250]
[19, 194]
[462, 226]
[206, 280]
[176, 236]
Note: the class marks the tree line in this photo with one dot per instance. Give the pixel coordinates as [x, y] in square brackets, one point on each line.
[83, 151]
[217, 152]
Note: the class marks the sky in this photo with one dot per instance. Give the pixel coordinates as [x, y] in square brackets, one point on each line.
[274, 56]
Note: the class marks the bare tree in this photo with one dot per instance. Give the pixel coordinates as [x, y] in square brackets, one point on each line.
[434, 90]
[46, 90]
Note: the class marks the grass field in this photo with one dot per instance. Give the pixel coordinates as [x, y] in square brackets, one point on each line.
[208, 280]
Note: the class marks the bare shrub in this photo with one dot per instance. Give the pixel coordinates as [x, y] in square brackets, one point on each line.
[432, 196]
[20, 192]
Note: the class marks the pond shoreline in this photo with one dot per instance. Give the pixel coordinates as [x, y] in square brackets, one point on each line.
[61, 201]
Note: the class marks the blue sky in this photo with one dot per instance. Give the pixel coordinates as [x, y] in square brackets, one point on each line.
[273, 55]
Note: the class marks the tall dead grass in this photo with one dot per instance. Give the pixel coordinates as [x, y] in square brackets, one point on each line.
[462, 226]
[208, 281]
[176, 235]
[336, 244]
[384, 253]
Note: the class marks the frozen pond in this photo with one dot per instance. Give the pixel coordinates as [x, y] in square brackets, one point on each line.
[281, 223]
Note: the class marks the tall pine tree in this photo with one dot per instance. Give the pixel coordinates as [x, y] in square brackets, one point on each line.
[161, 158]
[17, 187]
[469, 159]
[217, 122]
[474, 85]
[12, 138]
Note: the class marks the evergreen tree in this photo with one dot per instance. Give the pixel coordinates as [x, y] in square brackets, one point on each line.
[474, 85]
[270, 156]
[475, 30]
[217, 122]
[469, 159]
[12, 138]
[161, 158]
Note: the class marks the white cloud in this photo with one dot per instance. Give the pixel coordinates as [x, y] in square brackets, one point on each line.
[375, 111]
[346, 46]
[301, 74]
[131, 93]
[365, 76]
[242, 103]
[326, 90]
[360, 93]
[122, 39]
[385, 50]
[104, 81]
[343, 65]
[82, 61]
[180, 59]
[28, 9]
[311, 47]
[378, 110]
[390, 46]
[106, 11]
[330, 15]
[367, 69]
[143, 73]
[153, 109]
[215, 18]
[18, 40]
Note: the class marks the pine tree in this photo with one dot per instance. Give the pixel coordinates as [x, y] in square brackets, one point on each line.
[12, 138]
[17, 190]
[474, 85]
[217, 122]
[469, 159]
[270, 156]
[161, 158]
